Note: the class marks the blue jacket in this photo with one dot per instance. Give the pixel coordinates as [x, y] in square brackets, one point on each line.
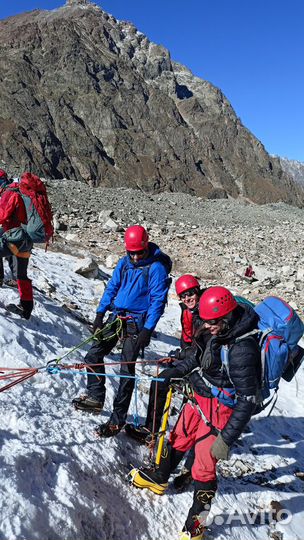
[143, 294]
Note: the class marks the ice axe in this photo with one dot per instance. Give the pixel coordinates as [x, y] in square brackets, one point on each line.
[164, 425]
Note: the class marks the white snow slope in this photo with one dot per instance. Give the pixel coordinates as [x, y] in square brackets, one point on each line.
[59, 482]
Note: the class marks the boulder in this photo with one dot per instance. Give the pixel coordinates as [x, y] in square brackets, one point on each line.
[88, 268]
[112, 260]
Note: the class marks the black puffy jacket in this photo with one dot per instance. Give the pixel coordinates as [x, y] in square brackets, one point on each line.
[244, 368]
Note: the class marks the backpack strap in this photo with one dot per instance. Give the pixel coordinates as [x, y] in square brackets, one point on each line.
[248, 334]
[263, 335]
[225, 360]
[145, 271]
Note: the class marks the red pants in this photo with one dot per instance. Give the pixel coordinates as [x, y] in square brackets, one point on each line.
[191, 429]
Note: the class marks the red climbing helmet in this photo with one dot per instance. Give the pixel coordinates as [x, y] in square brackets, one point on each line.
[215, 303]
[3, 174]
[136, 238]
[185, 283]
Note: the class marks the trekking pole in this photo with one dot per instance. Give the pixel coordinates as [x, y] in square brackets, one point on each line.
[164, 425]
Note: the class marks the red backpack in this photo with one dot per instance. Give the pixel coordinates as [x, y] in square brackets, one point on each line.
[38, 209]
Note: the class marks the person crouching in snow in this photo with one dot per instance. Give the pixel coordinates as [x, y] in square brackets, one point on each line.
[14, 240]
[223, 402]
[188, 289]
[138, 293]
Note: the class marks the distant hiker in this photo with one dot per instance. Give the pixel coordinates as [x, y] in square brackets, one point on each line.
[138, 293]
[14, 240]
[223, 401]
[249, 272]
[188, 289]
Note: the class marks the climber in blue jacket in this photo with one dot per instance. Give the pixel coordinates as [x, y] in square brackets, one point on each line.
[137, 293]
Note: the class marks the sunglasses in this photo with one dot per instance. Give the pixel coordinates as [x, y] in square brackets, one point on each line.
[213, 322]
[139, 253]
[190, 292]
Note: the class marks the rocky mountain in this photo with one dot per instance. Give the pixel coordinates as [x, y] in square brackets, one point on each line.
[293, 168]
[87, 97]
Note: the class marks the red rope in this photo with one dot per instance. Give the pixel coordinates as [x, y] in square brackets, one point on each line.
[19, 375]
[83, 366]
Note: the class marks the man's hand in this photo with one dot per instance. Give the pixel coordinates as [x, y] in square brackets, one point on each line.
[219, 449]
[143, 338]
[98, 324]
[175, 354]
[166, 361]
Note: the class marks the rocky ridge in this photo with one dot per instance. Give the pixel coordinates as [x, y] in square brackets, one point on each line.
[294, 168]
[213, 239]
[87, 97]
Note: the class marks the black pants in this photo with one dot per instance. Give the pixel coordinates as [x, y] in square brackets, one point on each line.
[12, 262]
[96, 385]
[159, 390]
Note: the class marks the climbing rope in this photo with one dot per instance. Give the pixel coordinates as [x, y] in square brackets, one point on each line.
[99, 335]
[18, 375]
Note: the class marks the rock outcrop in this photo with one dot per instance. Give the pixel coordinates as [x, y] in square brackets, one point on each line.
[85, 96]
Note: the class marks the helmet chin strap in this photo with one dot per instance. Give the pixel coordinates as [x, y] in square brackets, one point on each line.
[226, 325]
[228, 322]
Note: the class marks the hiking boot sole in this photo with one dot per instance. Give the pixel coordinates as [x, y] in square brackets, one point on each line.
[103, 433]
[86, 409]
[144, 483]
[186, 536]
[141, 438]
[79, 405]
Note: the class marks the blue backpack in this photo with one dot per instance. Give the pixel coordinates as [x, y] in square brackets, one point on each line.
[279, 331]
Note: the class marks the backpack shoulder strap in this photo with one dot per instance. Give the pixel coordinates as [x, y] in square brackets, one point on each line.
[145, 270]
[123, 269]
[225, 350]
[225, 360]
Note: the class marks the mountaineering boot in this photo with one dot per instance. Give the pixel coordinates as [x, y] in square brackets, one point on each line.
[107, 430]
[140, 433]
[156, 478]
[195, 523]
[87, 404]
[195, 531]
[24, 309]
[149, 479]
[27, 308]
[183, 480]
[11, 283]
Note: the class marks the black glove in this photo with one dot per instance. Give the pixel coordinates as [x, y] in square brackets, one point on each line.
[98, 324]
[143, 338]
[175, 353]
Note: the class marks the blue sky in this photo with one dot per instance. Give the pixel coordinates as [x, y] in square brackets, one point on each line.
[252, 49]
